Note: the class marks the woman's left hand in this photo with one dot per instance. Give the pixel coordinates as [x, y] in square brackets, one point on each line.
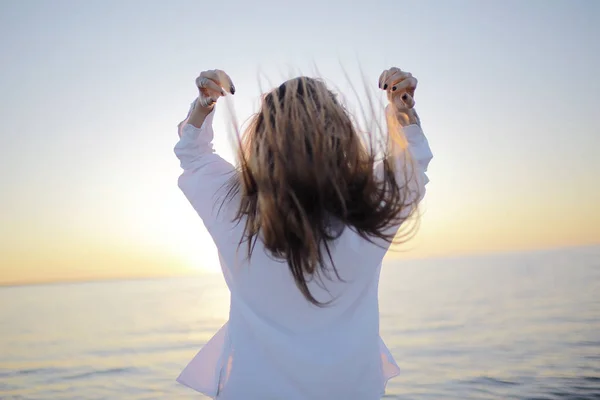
[400, 87]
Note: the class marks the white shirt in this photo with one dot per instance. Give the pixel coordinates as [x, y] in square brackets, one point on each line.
[276, 344]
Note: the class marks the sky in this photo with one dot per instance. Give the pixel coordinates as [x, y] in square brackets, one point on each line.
[91, 93]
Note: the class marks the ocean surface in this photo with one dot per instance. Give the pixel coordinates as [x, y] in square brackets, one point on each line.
[519, 326]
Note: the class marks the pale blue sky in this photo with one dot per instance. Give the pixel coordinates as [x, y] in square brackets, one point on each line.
[91, 92]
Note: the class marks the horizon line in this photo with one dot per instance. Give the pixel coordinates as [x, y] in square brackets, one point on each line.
[199, 272]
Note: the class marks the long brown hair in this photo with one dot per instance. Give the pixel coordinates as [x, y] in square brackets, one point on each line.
[305, 175]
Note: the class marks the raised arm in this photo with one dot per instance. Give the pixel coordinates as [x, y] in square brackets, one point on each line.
[205, 174]
[407, 145]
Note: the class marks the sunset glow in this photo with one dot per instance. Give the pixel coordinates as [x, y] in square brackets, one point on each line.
[92, 93]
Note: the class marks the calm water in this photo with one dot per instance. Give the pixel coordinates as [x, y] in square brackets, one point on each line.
[506, 327]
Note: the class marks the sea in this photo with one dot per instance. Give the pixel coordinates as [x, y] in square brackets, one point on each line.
[511, 326]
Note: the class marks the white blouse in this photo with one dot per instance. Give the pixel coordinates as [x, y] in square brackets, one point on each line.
[276, 344]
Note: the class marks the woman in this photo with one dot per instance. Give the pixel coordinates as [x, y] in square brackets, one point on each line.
[301, 227]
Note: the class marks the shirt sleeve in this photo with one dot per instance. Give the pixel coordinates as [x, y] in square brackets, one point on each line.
[411, 157]
[205, 174]
[419, 152]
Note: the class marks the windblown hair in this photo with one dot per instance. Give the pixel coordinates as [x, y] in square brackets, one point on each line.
[305, 175]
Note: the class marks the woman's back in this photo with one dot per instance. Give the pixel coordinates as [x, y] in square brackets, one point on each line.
[277, 343]
[283, 343]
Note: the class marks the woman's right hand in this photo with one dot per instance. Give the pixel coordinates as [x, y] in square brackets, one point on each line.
[211, 85]
[400, 87]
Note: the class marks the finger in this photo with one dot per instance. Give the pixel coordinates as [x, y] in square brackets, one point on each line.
[385, 76]
[408, 100]
[404, 101]
[225, 81]
[382, 78]
[204, 82]
[393, 70]
[221, 78]
[397, 77]
[407, 85]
